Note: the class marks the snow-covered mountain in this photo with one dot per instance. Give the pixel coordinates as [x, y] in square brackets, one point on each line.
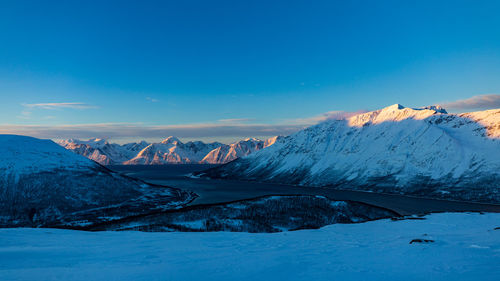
[102, 151]
[173, 151]
[169, 151]
[227, 153]
[43, 184]
[271, 141]
[423, 151]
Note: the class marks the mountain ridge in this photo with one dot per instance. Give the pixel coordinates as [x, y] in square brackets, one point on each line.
[419, 151]
[169, 151]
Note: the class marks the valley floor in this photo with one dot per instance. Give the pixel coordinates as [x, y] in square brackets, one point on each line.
[466, 247]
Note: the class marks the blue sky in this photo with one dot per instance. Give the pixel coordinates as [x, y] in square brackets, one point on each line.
[231, 69]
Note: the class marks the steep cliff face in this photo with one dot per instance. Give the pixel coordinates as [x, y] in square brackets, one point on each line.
[422, 151]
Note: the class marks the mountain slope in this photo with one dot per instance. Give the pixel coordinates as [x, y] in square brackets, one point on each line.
[169, 151]
[43, 184]
[103, 152]
[396, 149]
[173, 151]
[227, 153]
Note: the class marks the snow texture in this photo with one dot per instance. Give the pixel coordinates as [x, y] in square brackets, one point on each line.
[465, 247]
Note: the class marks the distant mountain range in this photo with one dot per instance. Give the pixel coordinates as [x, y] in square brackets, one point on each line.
[43, 184]
[419, 151]
[169, 151]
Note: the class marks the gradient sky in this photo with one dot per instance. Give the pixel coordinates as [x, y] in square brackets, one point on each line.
[231, 69]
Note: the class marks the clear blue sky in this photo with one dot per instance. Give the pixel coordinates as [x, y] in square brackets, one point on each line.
[191, 64]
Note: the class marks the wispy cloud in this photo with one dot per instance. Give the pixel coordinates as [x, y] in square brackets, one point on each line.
[235, 120]
[476, 102]
[59, 105]
[125, 130]
[224, 128]
[25, 114]
[152, 99]
[30, 107]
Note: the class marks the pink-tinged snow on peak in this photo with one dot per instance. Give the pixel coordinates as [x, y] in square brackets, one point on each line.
[228, 153]
[489, 119]
[170, 151]
[396, 149]
[102, 151]
[272, 140]
[171, 139]
[395, 112]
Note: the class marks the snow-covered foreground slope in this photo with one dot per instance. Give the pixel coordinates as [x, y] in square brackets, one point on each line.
[465, 247]
[169, 151]
[43, 184]
[396, 149]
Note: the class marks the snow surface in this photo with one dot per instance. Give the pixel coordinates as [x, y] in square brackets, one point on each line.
[22, 155]
[394, 149]
[466, 247]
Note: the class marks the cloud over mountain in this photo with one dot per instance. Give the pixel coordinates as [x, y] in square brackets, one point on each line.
[476, 102]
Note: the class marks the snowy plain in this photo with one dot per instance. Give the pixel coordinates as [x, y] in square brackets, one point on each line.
[466, 247]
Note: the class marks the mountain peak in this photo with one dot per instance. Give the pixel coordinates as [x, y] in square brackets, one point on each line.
[436, 108]
[395, 106]
[396, 150]
[394, 113]
[171, 139]
[252, 139]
